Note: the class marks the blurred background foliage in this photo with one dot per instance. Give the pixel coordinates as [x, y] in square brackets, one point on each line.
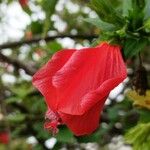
[125, 119]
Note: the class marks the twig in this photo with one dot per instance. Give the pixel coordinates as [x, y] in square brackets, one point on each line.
[17, 64]
[48, 38]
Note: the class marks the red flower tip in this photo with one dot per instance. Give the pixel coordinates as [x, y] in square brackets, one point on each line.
[4, 137]
[107, 43]
[51, 126]
[76, 84]
[23, 3]
[52, 121]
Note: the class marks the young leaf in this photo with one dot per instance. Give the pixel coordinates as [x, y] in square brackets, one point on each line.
[49, 8]
[107, 12]
[127, 5]
[104, 26]
[147, 9]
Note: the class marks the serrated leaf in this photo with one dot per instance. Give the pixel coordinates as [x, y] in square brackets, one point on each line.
[104, 26]
[139, 136]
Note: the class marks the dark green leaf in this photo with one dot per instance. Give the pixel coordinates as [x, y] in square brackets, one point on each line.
[144, 115]
[54, 46]
[95, 137]
[65, 135]
[134, 46]
[113, 113]
[36, 27]
[107, 12]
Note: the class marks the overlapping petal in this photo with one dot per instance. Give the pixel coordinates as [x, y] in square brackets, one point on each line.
[87, 77]
[76, 83]
[84, 124]
[42, 80]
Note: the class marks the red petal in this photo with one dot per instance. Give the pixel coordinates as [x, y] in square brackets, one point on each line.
[4, 137]
[84, 124]
[76, 84]
[42, 80]
[87, 77]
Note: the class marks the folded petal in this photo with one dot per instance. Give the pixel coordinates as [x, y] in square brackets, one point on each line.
[42, 80]
[84, 124]
[87, 77]
[77, 83]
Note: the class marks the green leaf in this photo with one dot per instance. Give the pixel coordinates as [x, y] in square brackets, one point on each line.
[13, 99]
[54, 46]
[147, 25]
[127, 5]
[136, 15]
[107, 12]
[104, 26]
[65, 135]
[139, 136]
[147, 9]
[27, 10]
[22, 90]
[144, 115]
[113, 113]
[138, 4]
[36, 27]
[16, 117]
[41, 133]
[134, 46]
[49, 8]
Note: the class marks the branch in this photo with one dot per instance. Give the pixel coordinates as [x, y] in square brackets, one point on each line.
[17, 64]
[48, 38]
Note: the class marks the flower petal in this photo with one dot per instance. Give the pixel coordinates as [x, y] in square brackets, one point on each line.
[86, 123]
[42, 80]
[87, 77]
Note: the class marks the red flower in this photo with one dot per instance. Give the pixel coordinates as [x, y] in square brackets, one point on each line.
[4, 137]
[23, 3]
[76, 83]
